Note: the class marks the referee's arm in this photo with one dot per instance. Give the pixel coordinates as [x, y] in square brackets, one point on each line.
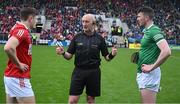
[67, 55]
[104, 51]
[111, 55]
[71, 50]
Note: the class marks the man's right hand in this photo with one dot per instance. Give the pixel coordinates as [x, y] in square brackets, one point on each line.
[23, 67]
[59, 50]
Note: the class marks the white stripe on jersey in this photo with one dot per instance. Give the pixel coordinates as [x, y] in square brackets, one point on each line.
[20, 33]
[158, 36]
[9, 36]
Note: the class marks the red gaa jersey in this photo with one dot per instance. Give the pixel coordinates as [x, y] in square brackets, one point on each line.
[23, 51]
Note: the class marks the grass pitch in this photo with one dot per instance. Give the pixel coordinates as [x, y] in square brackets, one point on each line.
[51, 78]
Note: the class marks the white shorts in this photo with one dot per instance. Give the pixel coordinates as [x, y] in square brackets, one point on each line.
[18, 87]
[149, 80]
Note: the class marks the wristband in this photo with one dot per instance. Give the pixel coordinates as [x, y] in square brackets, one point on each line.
[63, 53]
[111, 56]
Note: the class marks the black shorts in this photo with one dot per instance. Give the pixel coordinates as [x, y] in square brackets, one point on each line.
[85, 78]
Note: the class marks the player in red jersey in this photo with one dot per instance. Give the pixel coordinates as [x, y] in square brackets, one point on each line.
[19, 50]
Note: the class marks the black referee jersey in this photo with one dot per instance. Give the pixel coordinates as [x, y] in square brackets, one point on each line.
[87, 50]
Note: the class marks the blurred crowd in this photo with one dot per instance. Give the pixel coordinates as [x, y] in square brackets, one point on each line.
[65, 15]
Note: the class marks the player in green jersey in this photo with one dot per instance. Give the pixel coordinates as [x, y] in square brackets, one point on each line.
[153, 53]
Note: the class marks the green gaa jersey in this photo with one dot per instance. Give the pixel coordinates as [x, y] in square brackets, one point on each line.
[149, 50]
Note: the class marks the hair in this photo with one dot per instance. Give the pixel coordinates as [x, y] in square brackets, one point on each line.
[148, 11]
[26, 12]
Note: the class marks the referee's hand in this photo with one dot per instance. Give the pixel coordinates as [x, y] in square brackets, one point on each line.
[59, 50]
[114, 50]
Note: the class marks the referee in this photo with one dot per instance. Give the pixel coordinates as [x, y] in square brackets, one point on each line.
[86, 47]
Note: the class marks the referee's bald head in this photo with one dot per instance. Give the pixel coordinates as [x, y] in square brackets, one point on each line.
[89, 17]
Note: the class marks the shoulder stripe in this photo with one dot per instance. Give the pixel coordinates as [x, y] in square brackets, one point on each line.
[158, 36]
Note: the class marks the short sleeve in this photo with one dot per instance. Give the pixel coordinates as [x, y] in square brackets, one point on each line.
[20, 34]
[157, 35]
[71, 48]
[104, 50]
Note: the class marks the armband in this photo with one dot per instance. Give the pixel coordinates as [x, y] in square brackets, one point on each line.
[63, 53]
[111, 56]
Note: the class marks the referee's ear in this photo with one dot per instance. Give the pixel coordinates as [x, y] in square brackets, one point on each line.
[94, 23]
